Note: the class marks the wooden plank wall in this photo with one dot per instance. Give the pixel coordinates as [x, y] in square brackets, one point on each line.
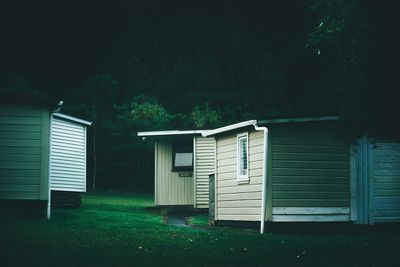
[310, 174]
[239, 201]
[386, 177]
[170, 188]
[24, 152]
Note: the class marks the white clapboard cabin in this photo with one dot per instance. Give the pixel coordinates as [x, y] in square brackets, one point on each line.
[304, 170]
[68, 144]
[183, 162]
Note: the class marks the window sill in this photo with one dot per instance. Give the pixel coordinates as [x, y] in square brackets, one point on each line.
[243, 181]
[182, 170]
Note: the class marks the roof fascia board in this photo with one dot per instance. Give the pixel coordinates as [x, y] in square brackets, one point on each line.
[170, 132]
[230, 127]
[74, 119]
[304, 119]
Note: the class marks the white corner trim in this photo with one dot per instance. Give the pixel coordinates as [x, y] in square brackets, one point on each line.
[49, 170]
[194, 173]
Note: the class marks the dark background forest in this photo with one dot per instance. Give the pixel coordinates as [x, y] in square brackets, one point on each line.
[130, 66]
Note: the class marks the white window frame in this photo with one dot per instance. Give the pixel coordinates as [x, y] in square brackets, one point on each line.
[241, 177]
[181, 148]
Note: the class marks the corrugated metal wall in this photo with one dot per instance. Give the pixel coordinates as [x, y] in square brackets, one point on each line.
[24, 152]
[204, 155]
[170, 189]
[235, 201]
[68, 156]
[386, 188]
[310, 174]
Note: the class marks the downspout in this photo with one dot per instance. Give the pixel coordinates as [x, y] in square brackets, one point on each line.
[49, 182]
[264, 177]
[57, 109]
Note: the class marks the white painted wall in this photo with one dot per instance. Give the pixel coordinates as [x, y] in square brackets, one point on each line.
[239, 201]
[170, 189]
[68, 156]
[204, 165]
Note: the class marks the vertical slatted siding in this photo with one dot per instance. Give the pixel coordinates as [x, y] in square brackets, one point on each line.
[310, 174]
[170, 188]
[23, 152]
[241, 202]
[204, 166]
[386, 186]
[68, 156]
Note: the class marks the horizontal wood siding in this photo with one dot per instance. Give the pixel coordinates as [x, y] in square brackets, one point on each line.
[239, 202]
[170, 188]
[205, 165]
[310, 169]
[24, 152]
[68, 156]
[386, 188]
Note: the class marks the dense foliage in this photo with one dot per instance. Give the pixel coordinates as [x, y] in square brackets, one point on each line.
[131, 66]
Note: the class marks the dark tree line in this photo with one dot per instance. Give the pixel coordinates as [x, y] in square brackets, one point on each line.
[131, 66]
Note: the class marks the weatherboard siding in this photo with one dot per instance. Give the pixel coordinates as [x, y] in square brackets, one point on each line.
[386, 177]
[239, 201]
[170, 189]
[310, 174]
[24, 152]
[68, 156]
[204, 156]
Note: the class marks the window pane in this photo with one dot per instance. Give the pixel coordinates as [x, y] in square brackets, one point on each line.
[183, 159]
[243, 155]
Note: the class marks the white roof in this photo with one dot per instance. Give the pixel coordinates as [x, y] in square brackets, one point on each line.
[70, 118]
[171, 132]
[230, 127]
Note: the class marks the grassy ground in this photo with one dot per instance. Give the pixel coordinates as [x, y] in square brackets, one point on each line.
[113, 230]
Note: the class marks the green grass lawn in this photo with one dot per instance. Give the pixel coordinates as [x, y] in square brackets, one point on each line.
[114, 230]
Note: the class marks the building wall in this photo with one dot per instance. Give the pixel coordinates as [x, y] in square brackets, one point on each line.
[204, 157]
[386, 177]
[24, 152]
[68, 156]
[170, 189]
[310, 173]
[235, 201]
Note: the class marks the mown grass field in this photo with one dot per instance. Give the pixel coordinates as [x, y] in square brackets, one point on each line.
[114, 230]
